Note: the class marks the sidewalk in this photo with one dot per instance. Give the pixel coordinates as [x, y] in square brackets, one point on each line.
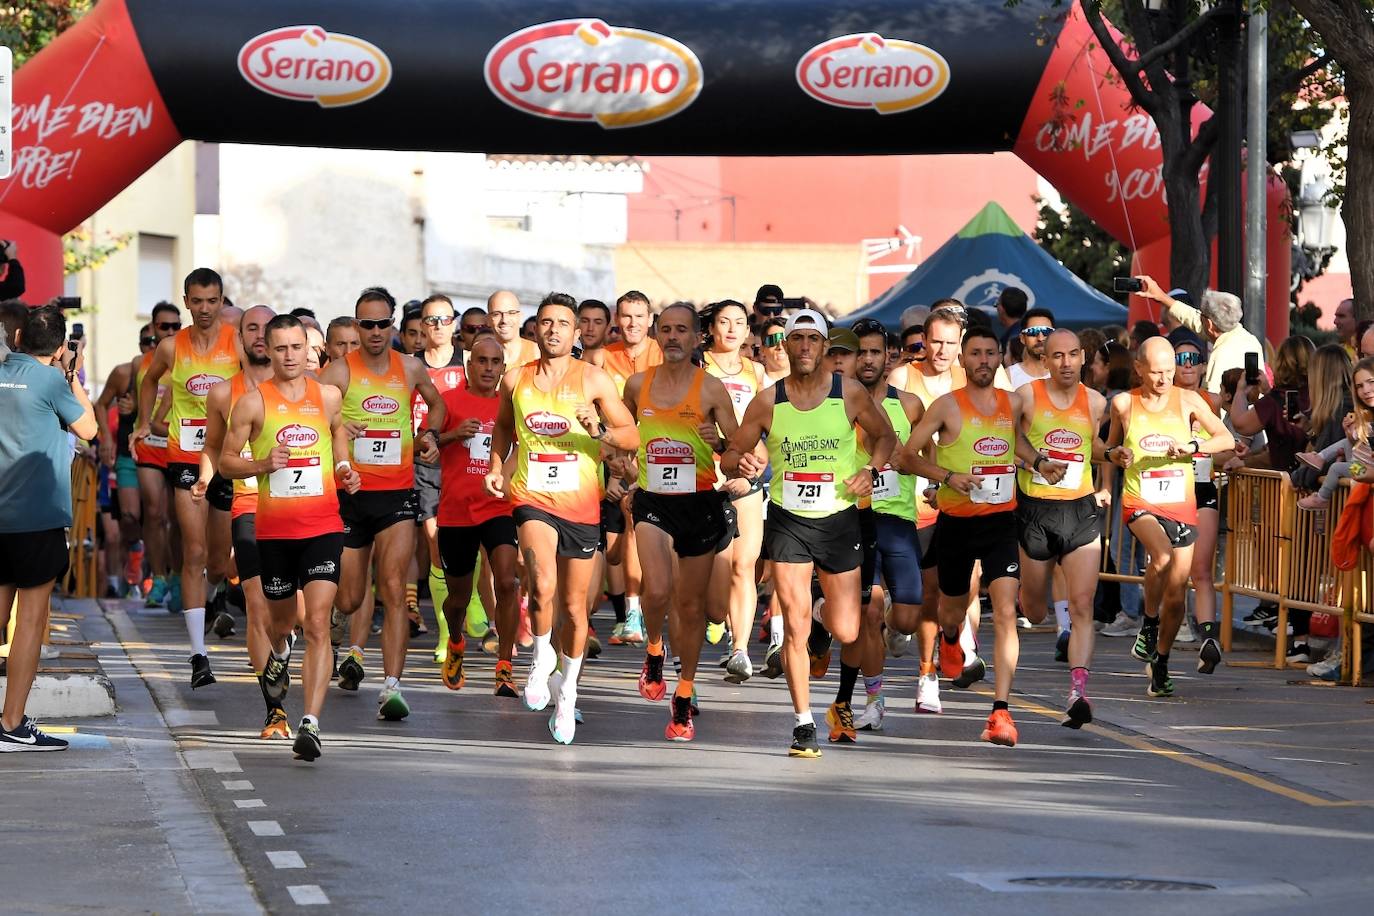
[70, 682]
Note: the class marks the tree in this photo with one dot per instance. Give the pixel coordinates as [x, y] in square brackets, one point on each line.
[1082, 246]
[26, 27]
[1347, 28]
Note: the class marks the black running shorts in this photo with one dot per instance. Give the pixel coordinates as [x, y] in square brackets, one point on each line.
[833, 543]
[459, 546]
[220, 494]
[288, 564]
[367, 513]
[426, 491]
[1179, 534]
[962, 540]
[1207, 495]
[29, 559]
[575, 540]
[1051, 529]
[698, 523]
[243, 534]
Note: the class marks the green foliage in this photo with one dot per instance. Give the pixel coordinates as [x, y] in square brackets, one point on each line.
[1082, 246]
[27, 26]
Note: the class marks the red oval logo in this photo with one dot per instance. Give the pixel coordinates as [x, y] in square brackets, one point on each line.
[866, 70]
[297, 436]
[1063, 438]
[1157, 443]
[586, 70]
[305, 63]
[543, 423]
[991, 446]
[200, 385]
[663, 447]
[380, 404]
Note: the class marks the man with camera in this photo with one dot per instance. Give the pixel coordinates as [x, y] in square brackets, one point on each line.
[41, 399]
[1218, 320]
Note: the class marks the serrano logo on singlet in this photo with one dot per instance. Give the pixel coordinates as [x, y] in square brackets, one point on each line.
[663, 447]
[200, 385]
[1157, 443]
[381, 404]
[543, 423]
[991, 446]
[297, 436]
[1063, 438]
[307, 64]
[866, 70]
[586, 70]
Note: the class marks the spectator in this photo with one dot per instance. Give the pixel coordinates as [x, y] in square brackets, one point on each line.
[12, 286]
[1036, 326]
[12, 316]
[1276, 410]
[1142, 331]
[768, 302]
[1011, 308]
[1167, 322]
[1090, 340]
[1347, 328]
[1218, 321]
[1111, 369]
[39, 398]
[1366, 338]
[1117, 333]
[1328, 381]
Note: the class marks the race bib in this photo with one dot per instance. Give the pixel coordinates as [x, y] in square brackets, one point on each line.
[378, 447]
[479, 447]
[996, 482]
[553, 472]
[1163, 486]
[888, 484]
[300, 477]
[1073, 475]
[192, 438]
[155, 441]
[671, 474]
[740, 395]
[808, 492]
[1202, 468]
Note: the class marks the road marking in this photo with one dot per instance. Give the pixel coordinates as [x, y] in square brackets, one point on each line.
[286, 858]
[266, 828]
[219, 761]
[307, 895]
[1334, 763]
[237, 785]
[249, 803]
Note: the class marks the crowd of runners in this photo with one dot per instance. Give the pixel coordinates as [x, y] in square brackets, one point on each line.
[876, 488]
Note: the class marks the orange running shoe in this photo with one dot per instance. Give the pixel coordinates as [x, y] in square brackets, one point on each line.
[840, 718]
[951, 657]
[453, 675]
[1001, 730]
[275, 725]
[680, 725]
[651, 686]
[505, 681]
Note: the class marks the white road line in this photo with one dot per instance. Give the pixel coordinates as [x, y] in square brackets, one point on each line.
[219, 761]
[237, 785]
[265, 828]
[1338, 763]
[307, 895]
[286, 858]
[249, 803]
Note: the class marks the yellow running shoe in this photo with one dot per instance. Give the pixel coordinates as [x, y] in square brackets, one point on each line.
[275, 726]
[453, 675]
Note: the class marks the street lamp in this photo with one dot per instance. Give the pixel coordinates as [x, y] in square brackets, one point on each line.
[1316, 218]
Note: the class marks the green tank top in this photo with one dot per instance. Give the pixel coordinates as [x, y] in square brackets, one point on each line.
[893, 493]
[812, 452]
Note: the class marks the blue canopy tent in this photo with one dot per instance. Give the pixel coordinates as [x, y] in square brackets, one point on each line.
[985, 257]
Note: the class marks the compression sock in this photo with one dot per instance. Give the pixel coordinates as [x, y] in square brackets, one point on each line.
[544, 660]
[438, 592]
[412, 594]
[632, 603]
[1208, 629]
[1061, 616]
[618, 606]
[873, 686]
[195, 628]
[1078, 680]
[571, 668]
[848, 676]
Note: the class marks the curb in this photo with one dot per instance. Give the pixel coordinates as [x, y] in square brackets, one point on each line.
[69, 696]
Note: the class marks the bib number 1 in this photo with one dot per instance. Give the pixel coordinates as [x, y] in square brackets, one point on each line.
[1163, 487]
[995, 484]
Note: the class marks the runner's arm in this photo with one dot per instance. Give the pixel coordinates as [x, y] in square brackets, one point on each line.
[1219, 437]
[720, 413]
[116, 384]
[344, 474]
[244, 423]
[1115, 434]
[618, 428]
[216, 412]
[757, 416]
[147, 391]
[881, 438]
[164, 407]
[910, 457]
[1097, 406]
[425, 386]
[502, 438]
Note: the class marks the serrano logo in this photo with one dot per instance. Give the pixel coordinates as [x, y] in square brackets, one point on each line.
[991, 446]
[307, 64]
[543, 423]
[297, 436]
[200, 385]
[586, 70]
[663, 447]
[866, 70]
[380, 403]
[1157, 443]
[1063, 438]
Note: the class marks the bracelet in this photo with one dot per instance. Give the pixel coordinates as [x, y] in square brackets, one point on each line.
[343, 464]
[1035, 465]
[948, 475]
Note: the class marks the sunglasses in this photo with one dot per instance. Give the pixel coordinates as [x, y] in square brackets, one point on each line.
[147, 341]
[169, 325]
[373, 324]
[768, 307]
[1188, 359]
[437, 321]
[476, 329]
[1037, 332]
[914, 348]
[773, 340]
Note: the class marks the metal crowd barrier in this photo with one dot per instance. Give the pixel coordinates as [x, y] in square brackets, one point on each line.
[82, 544]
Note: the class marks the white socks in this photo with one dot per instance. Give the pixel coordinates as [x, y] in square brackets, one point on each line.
[631, 603]
[967, 642]
[542, 660]
[571, 668]
[805, 718]
[1061, 615]
[195, 629]
[775, 629]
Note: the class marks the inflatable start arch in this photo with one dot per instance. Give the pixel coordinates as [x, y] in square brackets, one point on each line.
[111, 96]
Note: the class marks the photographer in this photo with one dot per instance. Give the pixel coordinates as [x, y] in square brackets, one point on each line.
[40, 400]
[12, 285]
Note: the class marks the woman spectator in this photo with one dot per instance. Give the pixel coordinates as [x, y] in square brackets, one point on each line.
[1091, 340]
[1329, 382]
[1276, 409]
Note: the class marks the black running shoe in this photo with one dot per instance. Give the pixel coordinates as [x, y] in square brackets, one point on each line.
[1209, 656]
[1264, 615]
[1061, 647]
[772, 663]
[350, 672]
[223, 625]
[201, 675]
[376, 621]
[974, 672]
[307, 744]
[1146, 642]
[804, 742]
[276, 677]
[1161, 685]
[1079, 713]
[27, 736]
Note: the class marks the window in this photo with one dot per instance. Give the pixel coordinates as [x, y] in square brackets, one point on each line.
[155, 279]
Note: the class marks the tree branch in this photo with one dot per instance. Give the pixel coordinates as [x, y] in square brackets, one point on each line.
[1201, 147]
[1175, 41]
[1142, 94]
[1292, 81]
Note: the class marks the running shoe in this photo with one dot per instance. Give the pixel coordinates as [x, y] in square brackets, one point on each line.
[1023, 622]
[840, 718]
[634, 627]
[618, 634]
[1209, 656]
[1000, 730]
[1185, 632]
[951, 657]
[157, 595]
[275, 725]
[1161, 685]
[973, 672]
[1079, 711]
[1328, 669]
[223, 625]
[725, 653]
[1266, 614]
[818, 646]
[872, 718]
[505, 681]
[695, 703]
[391, 706]
[739, 669]
[715, 632]
[27, 736]
[417, 620]
[563, 722]
[680, 725]
[477, 625]
[338, 626]
[1122, 625]
[1146, 642]
[491, 643]
[133, 568]
[217, 614]
[1061, 647]
[898, 644]
[174, 605]
[307, 746]
[452, 673]
[772, 661]
[378, 617]
[651, 686]
[593, 645]
[928, 694]
[276, 676]
[804, 742]
[537, 694]
[201, 675]
[351, 672]
[1300, 654]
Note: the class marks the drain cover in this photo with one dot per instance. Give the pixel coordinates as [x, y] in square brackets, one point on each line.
[1016, 882]
[1078, 882]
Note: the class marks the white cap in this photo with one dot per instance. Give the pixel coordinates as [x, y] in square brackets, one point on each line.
[806, 319]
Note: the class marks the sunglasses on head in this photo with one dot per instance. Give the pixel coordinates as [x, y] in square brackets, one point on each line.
[1188, 359]
[1037, 332]
[373, 324]
[774, 339]
[435, 321]
[917, 347]
[169, 325]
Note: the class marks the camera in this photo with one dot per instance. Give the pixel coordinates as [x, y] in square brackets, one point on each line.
[1127, 285]
[5, 250]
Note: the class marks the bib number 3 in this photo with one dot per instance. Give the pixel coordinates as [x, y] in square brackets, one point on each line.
[378, 447]
[553, 473]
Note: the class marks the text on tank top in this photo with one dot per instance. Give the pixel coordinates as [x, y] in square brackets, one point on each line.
[673, 458]
[1065, 436]
[812, 452]
[192, 376]
[300, 500]
[985, 448]
[384, 453]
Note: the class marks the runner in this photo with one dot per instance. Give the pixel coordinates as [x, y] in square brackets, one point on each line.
[681, 520]
[473, 322]
[812, 525]
[593, 324]
[197, 359]
[975, 452]
[150, 457]
[342, 337]
[294, 428]
[555, 492]
[1058, 514]
[378, 387]
[219, 404]
[121, 394]
[472, 521]
[732, 579]
[503, 310]
[1151, 439]
[1036, 327]
[772, 352]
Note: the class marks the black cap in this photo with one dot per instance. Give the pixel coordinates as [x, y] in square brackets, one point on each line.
[1181, 336]
[769, 291]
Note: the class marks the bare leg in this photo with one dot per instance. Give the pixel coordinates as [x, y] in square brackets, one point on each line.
[394, 546]
[22, 665]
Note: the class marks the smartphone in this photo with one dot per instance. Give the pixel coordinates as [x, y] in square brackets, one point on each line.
[1127, 285]
[797, 303]
[1290, 405]
[69, 303]
[1252, 368]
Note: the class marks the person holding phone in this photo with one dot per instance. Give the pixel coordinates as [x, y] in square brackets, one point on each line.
[1217, 322]
[1278, 410]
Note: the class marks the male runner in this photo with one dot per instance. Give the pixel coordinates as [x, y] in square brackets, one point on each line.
[470, 520]
[150, 456]
[196, 358]
[503, 311]
[1036, 327]
[1151, 439]
[549, 408]
[342, 337]
[684, 417]
[378, 386]
[293, 426]
[219, 404]
[975, 455]
[1058, 514]
[120, 392]
[473, 323]
[809, 418]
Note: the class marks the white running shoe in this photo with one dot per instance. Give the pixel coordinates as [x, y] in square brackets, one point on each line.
[1185, 631]
[872, 718]
[563, 722]
[928, 694]
[1122, 625]
[898, 644]
[739, 668]
[537, 693]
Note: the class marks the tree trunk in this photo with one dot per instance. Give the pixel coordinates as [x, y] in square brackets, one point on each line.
[1190, 253]
[1357, 210]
